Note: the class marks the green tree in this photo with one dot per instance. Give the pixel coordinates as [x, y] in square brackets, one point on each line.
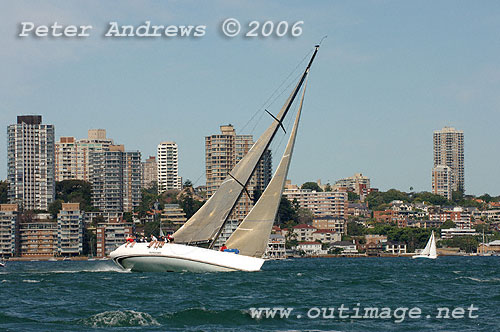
[89, 242]
[149, 197]
[128, 216]
[75, 191]
[448, 224]
[431, 198]
[286, 212]
[55, 207]
[4, 188]
[355, 229]
[312, 186]
[305, 216]
[189, 205]
[486, 197]
[352, 196]
[457, 196]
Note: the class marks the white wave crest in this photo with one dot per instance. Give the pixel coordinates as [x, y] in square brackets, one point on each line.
[31, 281]
[121, 318]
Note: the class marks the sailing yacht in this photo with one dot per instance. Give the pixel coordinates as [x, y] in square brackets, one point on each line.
[429, 250]
[193, 248]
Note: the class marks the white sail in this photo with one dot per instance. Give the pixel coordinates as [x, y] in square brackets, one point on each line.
[430, 250]
[433, 250]
[252, 235]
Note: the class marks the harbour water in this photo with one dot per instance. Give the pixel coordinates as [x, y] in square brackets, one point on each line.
[98, 296]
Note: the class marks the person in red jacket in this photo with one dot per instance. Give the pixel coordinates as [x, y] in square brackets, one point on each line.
[223, 247]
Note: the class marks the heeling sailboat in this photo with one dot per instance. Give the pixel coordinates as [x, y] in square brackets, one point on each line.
[430, 250]
[203, 228]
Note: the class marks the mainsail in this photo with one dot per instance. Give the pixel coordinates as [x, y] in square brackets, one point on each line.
[252, 235]
[205, 225]
[433, 250]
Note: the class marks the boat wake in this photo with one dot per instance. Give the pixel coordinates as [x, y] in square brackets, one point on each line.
[494, 280]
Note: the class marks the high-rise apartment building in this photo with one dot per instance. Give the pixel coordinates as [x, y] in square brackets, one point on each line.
[31, 166]
[222, 152]
[116, 179]
[168, 169]
[149, 172]
[449, 151]
[73, 156]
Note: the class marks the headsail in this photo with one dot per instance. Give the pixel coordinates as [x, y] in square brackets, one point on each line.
[427, 248]
[207, 222]
[252, 235]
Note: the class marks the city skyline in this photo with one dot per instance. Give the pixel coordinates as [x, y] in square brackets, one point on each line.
[388, 75]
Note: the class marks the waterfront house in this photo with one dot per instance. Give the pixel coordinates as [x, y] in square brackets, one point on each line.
[310, 248]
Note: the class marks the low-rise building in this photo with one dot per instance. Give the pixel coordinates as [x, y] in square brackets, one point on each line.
[173, 213]
[326, 236]
[450, 233]
[303, 232]
[111, 235]
[275, 247]
[346, 246]
[395, 248]
[489, 248]
[311, 248]
[70, 230]
[334, 223]
[9, 221]
[423, 223]
[324, 203]
[38, 236]
[358, 210]
[375, 238]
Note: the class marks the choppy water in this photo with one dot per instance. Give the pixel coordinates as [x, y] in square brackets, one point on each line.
[96, 295]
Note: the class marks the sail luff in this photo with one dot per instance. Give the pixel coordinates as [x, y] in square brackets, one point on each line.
[252, 235]
[205, 225]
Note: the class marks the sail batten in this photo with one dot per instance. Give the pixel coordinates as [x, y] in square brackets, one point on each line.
[206, 224]
[252, 235]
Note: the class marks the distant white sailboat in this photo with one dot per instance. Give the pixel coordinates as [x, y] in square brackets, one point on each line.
[192, 250]
[429, 250]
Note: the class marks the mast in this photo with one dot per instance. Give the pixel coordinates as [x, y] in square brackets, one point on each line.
[207, 223]
[286, 107]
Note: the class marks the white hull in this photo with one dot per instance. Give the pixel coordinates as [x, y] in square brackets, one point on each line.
[424, 256]
[178, 258]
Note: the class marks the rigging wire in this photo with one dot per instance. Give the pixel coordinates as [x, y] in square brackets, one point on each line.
[266, 103]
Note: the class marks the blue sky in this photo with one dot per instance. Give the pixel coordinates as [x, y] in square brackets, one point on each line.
[387, 76]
